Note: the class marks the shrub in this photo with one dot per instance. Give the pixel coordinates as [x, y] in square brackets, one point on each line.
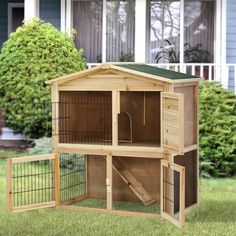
[36, 52]
[42, 146]
[217, 131]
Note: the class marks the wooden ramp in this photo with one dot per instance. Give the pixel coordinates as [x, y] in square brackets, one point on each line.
[129, 179]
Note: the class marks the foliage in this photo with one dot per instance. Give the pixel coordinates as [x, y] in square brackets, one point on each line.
[99, 58]
[167, 52]
[127, 56]
[36, 52]
[193, 54]
[217, 130]
[42, 146]
[196, 54]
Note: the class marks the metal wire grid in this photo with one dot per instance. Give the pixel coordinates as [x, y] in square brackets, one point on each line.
[72, 175]
[85, 117]
[171, 186]
[33, 182]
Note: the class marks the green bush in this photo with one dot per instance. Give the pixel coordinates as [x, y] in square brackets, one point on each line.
[36, 52]
[42, 146]
[217, 131]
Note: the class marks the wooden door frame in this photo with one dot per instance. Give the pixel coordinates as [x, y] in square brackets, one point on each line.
[181, 170]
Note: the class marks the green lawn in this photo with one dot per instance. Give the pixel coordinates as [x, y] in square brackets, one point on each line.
[216, 216]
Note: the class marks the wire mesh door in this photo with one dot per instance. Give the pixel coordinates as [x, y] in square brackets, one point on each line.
[173, 193]
[30, 182]
[73, 177]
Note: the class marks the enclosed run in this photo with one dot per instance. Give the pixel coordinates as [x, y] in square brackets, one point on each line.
[124, 137]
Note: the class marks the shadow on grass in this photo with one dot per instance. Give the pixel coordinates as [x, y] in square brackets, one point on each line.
[214, 211]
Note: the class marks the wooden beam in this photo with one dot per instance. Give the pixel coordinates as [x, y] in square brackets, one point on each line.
[114, 119]
[55, 116]
[149, 152]
[109, 181]
[73, 200]
[34, 206]
[115, 212]
[33, 158]
[56, 166]
[9, 186]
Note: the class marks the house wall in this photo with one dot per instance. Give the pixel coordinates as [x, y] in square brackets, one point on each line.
[50, 11]
[231, 39]
[4, 18]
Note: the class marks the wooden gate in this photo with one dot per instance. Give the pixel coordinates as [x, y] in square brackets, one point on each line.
[173, 193]
[73, 178]
[31, 182]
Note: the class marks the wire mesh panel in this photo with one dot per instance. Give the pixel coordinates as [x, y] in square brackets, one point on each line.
[72, 176]
[172, 192]
[85, 117]
[31, 182]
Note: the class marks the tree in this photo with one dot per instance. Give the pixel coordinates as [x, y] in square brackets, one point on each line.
[36, 52]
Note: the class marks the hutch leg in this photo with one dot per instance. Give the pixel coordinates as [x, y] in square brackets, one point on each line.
[109, 182]
[56, 166]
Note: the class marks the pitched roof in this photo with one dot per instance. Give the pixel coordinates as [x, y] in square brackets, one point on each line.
[151, 72]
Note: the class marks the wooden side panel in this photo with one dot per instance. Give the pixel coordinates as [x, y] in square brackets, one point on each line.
[173, 122]
[190, 114]
[145, 170]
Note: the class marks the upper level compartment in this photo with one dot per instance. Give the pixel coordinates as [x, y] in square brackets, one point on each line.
[139, 119]
[126, 109]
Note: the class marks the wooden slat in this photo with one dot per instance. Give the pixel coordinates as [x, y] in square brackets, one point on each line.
[34, 206]
[109, 181]
[125, 151]
[9, 185]
[114, 119]
[33, 158]
[73, 200]
[56, 166]
[116, 212]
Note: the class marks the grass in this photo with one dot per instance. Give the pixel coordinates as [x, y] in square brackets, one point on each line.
[120, 205]
[215, 216]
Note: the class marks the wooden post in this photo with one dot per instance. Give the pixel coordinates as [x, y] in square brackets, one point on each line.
[109, 182]
[9, 186]
[55, 117]
[114, 118]
[182, 197]
[57, 178]
[55, 141]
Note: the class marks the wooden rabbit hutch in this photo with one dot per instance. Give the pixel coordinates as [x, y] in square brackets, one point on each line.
[137, 129]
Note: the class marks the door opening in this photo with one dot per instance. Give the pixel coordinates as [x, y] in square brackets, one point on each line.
[15, 16]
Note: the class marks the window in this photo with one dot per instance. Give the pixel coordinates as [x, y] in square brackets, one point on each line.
[163, 30]
[199, 31]
[87, 20]
[120, 30]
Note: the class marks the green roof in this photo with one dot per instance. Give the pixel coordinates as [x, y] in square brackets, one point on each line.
[153, 70]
